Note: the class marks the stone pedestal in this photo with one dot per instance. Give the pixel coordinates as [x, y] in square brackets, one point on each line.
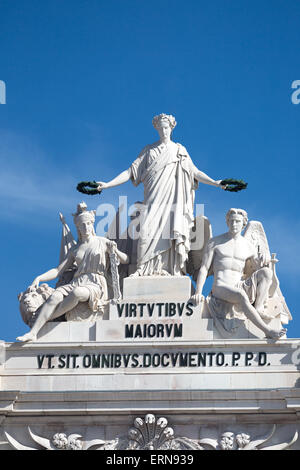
[157, 288]
[156, 358]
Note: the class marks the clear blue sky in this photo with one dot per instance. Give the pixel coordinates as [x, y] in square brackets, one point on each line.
[84, 79]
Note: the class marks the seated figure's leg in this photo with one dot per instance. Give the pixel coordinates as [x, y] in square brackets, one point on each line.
[78, 294]
[239, 297]
[264, 278]
[45, 315]
[54, 307]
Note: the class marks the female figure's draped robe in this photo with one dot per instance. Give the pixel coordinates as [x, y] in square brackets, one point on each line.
[167, 173]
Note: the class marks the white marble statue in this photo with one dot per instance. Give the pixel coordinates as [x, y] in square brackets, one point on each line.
[169, 178]
[31, 300]
[91, 256]
[243, 278]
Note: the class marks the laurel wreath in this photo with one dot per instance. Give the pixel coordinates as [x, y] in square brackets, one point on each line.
[233, 185]
[84, 185]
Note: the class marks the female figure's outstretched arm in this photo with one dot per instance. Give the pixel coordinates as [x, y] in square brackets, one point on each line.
[117, 181]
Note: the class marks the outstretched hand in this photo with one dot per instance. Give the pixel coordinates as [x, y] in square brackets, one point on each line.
[219, 183]
[101, 185]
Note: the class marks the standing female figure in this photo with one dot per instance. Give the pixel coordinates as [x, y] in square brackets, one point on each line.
[170, 179]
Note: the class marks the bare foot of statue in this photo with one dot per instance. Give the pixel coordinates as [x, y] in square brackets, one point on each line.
[276, 334]
[27, 337]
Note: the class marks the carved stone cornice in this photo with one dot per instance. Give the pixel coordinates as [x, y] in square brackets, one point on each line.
[154, 433]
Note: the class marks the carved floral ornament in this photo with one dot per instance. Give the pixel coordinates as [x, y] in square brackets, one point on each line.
[151, 433]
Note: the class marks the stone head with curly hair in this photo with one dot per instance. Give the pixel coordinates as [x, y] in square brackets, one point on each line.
[237, 212]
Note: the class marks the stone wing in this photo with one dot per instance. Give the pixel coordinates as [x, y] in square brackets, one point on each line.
[255, 234]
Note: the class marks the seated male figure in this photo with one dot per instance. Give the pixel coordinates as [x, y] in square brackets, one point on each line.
[227, 255]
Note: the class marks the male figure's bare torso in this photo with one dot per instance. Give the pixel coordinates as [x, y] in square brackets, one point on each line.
[230, 255]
